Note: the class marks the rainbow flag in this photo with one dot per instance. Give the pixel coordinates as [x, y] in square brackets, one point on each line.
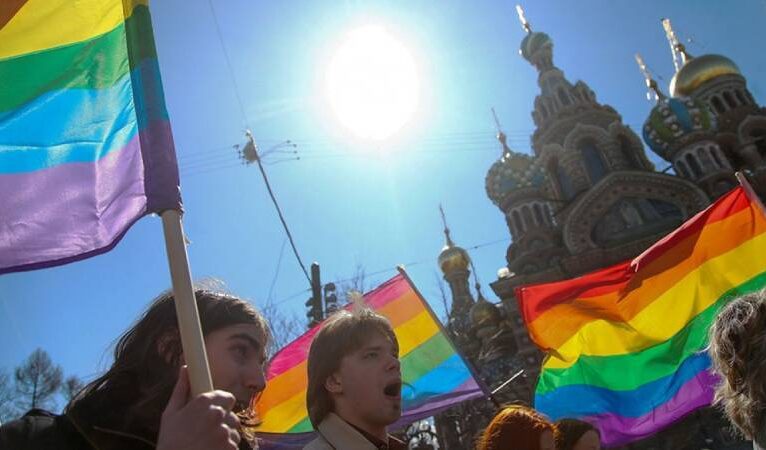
[626, 344]
[434, 376]
[85, 142]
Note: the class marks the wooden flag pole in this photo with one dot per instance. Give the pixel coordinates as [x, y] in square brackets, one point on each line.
[189, 326]
[750, 191]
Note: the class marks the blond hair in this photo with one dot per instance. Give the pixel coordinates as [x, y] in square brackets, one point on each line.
[341, 334]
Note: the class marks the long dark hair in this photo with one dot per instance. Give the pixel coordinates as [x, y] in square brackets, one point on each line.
[134, 391]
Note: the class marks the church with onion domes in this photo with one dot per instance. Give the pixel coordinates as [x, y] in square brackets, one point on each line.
[588, 197]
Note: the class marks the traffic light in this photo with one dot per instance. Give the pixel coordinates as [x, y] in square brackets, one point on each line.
[330, 298]
[315, 312]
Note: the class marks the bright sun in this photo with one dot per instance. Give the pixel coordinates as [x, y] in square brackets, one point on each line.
[372, 83]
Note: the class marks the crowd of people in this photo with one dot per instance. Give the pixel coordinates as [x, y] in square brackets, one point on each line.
[353, 394]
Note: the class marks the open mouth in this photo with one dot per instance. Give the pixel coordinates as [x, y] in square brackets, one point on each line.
[393, 389]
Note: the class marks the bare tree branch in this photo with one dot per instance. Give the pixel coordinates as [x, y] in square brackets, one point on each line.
[37, 381]
[7, 411]
[71, 386]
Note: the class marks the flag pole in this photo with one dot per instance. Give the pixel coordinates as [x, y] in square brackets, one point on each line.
[482, 385]
[189, 326]
[750, 191]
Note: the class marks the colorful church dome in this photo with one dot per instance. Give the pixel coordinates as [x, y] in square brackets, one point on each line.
[534, 42]
[699, 70]
[511, 172]
[672, 120]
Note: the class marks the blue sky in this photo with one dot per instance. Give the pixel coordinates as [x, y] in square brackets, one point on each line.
[349, 203]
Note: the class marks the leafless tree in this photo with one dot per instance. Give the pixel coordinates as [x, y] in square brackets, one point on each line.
[7, 410]
[356, 283]
[285, 326]
[37, 381]
[71, 386]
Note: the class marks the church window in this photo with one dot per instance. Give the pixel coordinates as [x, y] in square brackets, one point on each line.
[594, 164]
[629, 153]
[543, 110]
[682, 169]
[527, 215]
[705, 160]
[729, 99]
[539, 214]
[517, 221]
[741, 97]
[564, 183]
[718, 105]
[716, 157]
[563, 97]
[694, 165]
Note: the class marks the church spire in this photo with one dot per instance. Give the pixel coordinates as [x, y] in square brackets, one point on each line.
[680, 55]
[651, 84]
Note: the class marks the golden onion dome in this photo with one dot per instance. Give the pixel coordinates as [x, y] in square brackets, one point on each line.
[453, 258]
[699, 70]
[484, 313]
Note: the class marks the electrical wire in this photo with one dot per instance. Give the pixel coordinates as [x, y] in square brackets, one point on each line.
[391, 269]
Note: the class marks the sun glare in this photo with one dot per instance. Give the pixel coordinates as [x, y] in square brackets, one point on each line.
[372, 83]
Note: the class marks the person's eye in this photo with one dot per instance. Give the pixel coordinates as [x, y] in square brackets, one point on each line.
[239, 350]
[371, 355]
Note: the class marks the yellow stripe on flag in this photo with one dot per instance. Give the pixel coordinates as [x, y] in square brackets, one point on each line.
[654, 325]
[44, 24]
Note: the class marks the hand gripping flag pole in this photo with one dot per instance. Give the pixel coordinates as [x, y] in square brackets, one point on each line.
[189, 326]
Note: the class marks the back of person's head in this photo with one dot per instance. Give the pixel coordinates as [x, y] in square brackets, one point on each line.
[518, 427]
[738, 352]
[570, 431]
[148, 356]
[341, 334]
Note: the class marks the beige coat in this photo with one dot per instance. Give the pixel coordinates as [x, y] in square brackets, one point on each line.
[336, 434]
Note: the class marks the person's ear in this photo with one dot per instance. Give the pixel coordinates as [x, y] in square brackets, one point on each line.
[333, 384]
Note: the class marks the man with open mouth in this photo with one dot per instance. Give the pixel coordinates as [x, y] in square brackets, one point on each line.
[355, 383]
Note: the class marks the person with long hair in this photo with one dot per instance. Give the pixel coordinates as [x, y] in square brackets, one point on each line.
[520, 428]
[144, 402]
[354, 382]
[573, 434]
[738, 353]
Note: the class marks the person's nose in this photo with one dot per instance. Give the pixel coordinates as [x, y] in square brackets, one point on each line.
[393, 363]
[255, 379]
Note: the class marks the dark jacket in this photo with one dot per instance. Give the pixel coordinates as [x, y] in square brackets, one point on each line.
[42, 430]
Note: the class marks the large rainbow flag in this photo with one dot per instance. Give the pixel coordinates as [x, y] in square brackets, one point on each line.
[85, 143]
[626, 344]
[434, 376]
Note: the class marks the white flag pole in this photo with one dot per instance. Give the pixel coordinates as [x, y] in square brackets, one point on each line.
[189, 326]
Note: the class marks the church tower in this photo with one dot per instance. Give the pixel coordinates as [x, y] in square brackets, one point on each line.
[710, 126]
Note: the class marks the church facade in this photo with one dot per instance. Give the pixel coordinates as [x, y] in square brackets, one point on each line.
[588, 197]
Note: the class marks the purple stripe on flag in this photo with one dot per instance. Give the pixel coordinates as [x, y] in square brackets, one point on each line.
[618, 430]
[77, 210]
[466, 391]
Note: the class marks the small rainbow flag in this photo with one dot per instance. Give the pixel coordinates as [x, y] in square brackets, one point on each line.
[434, 376]
[626, 345]
[85, 142]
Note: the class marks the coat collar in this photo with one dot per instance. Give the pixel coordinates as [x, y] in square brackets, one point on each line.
[340, 435]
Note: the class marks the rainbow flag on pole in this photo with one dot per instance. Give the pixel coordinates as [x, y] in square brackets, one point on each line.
[85, 142]
[626, 344]
[434, 376]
